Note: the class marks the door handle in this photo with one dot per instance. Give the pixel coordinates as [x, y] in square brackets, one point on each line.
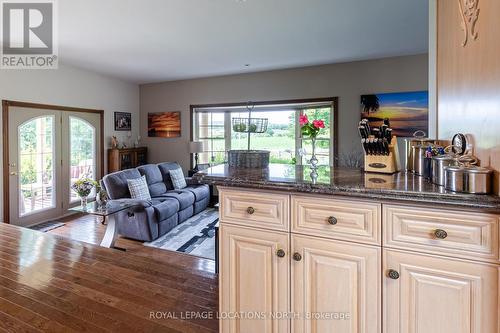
[13, 173]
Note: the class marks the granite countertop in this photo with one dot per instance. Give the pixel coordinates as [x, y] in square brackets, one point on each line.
[346, 182]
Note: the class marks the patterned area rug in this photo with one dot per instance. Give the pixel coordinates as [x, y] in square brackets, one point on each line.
[47, 226]
[196, 236]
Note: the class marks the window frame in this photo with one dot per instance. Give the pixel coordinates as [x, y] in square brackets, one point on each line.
[333, 101]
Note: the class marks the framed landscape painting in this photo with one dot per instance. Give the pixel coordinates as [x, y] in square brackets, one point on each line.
[164, 124]
[407, 112]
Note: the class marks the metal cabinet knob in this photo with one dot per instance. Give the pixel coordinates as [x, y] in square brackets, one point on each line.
[392, 274]
[440, 233]
[332, 220]
[297, 256]
[280, 253]
[250, 210]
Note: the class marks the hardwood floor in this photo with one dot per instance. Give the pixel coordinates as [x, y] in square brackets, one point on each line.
[50, 283]
[89, 229]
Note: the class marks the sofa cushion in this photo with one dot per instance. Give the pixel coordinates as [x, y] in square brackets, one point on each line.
[165, 172]
[165, 208]
[139, 188]
[177, 178]
[185, 198]
[154, 179]
[200, 192]
[116, 183]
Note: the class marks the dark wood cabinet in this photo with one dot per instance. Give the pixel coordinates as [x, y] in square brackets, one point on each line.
[127, 158]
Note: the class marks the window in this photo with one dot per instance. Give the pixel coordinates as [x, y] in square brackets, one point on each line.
[213, 126]
[210, 129]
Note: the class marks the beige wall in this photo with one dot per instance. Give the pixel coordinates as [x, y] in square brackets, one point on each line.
[70, 86]
[347, 81]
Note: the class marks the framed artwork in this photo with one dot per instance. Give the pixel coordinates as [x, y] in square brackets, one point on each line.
[123, 121]
[164, 124]
[407, 112]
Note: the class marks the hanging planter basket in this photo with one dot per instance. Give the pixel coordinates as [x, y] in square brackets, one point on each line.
[250, 125]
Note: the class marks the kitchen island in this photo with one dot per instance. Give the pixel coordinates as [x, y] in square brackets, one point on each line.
[353, 252]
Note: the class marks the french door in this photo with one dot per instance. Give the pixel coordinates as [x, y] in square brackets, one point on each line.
[48, 151]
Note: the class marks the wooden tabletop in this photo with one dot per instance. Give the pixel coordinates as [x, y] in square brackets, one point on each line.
[53, 284]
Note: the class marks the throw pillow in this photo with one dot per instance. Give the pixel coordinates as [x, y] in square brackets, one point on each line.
[139, 188]
[178, 180]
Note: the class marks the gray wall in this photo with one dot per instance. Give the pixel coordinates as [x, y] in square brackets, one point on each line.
[347, 81]
[70, 86]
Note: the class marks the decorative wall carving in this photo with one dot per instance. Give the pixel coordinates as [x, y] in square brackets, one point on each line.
[469, 10]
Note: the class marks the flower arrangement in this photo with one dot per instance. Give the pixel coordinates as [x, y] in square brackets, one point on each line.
[83, 187]
[310, 129]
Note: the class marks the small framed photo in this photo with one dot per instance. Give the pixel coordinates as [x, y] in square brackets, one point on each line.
[123, 121]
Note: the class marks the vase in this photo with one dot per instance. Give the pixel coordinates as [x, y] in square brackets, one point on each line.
[314, 161]
[101, 198]
[83, 201]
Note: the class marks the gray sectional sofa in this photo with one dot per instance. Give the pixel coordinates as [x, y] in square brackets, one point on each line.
[146, 220]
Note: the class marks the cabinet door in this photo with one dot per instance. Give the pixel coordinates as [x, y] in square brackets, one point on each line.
[336, 286]
[428, 294]
[254, 280]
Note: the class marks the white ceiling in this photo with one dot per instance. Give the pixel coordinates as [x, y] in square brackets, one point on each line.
[158, 40]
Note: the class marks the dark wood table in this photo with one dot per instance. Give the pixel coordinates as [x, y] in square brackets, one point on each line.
[53, 284]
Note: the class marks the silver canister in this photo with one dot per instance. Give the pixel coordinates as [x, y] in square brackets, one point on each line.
[454, 178]
[477, 180]
[438, 165]
[418, 158]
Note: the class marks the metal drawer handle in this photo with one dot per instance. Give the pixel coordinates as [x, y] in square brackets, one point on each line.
[332, 220]
[440, 233]
[250, 210]
[297, 256]
[280, 253]
[392, 274]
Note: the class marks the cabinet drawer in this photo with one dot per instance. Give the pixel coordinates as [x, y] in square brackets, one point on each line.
[357, 221]
[258, 209]
[455, 233]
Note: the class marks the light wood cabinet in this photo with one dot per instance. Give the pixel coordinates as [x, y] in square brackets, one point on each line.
[439, 295]
[254, 280]
[438, 231]
[257, 209]
[336, 286]
[334, 277]
[357, 221]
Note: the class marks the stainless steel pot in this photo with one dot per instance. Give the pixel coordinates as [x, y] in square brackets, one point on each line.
[477, 180]
[468, 178]
[454, 178]
[438, 165]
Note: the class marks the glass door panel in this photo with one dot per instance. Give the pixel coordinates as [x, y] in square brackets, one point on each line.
[36, 165]
[83, 161]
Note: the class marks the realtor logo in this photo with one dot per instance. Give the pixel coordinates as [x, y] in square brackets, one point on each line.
[28, 34]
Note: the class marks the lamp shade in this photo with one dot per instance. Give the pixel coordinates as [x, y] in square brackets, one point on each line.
[195, 147]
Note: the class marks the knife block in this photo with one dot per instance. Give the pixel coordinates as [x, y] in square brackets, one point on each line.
[384, 163]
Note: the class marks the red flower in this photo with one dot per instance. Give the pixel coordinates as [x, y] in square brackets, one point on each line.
[303, 119]
[318, 124]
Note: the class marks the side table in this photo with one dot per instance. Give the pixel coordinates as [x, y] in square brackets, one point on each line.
[108, 214]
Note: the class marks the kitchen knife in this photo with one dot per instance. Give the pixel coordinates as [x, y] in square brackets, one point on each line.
[367, 125]
[386, 146]
[365, 148]
[389, 135]
[362, 132]
[387, 122]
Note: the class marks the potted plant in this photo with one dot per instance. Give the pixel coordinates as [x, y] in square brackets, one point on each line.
[83, 187]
